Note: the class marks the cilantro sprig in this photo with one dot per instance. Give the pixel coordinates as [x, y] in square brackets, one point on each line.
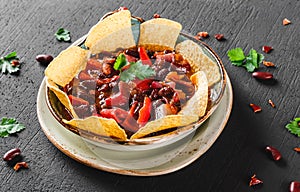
[135, 70]
[63, 35]
[294, 127]
[250, 62]
[6, 63]
[9, 126]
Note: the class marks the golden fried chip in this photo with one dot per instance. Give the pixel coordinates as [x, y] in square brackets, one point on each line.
[197, 104]
[117, 26]
[119, 39]
[99, 125]
[199, 61]
[67, 65]
[167, 122]
[159, 34]
[62, 96]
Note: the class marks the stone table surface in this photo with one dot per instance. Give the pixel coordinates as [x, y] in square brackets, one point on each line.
[28, 27]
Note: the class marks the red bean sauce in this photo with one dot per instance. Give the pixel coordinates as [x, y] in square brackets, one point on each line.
[98, 90]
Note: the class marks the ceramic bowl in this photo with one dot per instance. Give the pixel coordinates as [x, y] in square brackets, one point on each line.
[148, 143]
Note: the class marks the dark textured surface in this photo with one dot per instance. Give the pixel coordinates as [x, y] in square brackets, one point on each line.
[28, 27]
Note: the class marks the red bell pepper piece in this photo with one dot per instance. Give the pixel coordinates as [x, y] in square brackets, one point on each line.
[144, 56]
[122, 117]
[145, 112]
[76, 101]
[144, 84]
[156, 85]
[132, 108]
[119, 115]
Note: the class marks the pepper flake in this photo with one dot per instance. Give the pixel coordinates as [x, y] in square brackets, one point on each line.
[255, 108]
[271, 103]
[285, 21]
[268, 64]
[297, 149]
[254, 181]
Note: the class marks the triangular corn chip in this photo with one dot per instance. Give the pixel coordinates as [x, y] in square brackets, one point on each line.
[99, 125]
[197, 104]
[119, 39]
[66, 65]
[62, 96]
[159, 34]
[167, 122]
[116, 26]
[199, 61]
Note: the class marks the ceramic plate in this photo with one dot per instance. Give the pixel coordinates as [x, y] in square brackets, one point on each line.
[146, 163]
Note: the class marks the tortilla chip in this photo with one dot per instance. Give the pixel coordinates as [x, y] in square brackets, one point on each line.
[62, 96]
[99, 125]
[167, 122]
[159, 34]
[197, 104]
[199, 61]
[119, 39]
[118, 26]
[67, 65]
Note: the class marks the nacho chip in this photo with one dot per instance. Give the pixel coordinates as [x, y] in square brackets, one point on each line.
[159, 34]
[167, 122]
[117, 26]
[118, 39]
[197, 104]
[199, 61]
[62, 96]
[66, 65]
[99, 125]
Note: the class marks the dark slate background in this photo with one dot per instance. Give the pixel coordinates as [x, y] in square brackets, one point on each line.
[28, 27]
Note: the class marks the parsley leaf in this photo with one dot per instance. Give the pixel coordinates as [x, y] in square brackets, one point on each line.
[236, 55]
[250, 62]
[6, 63]
[63, 35]
[9, 126]
[294, 127]
[138, 70]
[120, 62]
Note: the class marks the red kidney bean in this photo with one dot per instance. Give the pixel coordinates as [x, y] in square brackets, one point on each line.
[44, 59]
[275, 153]
[295, 186]
[11, 154]
[262, 75]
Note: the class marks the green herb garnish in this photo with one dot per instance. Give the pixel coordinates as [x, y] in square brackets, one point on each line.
[120, 62]
[138, 70]
[9, 126]
[294, 126]
[250, 62]
[63, 35]
[135, 70]
[6, 63]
